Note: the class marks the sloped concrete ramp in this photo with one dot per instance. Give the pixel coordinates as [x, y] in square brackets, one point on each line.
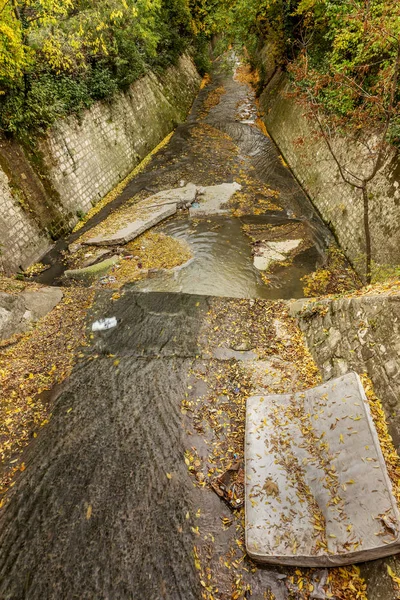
[317, 487]
[146, 214]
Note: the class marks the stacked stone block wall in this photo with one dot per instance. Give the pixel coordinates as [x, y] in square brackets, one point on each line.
[360, 334]
[20, 236]
[84, 158]
[339, 204]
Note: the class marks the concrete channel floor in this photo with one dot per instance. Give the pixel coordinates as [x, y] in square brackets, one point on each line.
[117, 495]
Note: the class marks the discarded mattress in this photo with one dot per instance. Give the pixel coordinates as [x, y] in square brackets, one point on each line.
[317, 488]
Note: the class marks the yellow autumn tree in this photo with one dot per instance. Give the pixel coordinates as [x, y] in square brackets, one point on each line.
[58, 56]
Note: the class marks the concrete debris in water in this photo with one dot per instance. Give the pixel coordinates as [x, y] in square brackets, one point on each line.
[317, 488]
[270, 252]
[124, 227]
[212, 199]
[91, 258]
[181, 196]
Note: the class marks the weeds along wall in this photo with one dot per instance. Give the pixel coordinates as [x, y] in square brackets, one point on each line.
[339, 204]
[44, 191]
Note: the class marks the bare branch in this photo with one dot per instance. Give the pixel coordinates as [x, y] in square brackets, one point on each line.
[389, 114]
[342, 170]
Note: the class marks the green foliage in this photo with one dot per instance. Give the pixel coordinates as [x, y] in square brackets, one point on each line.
[58, 56]
[382, 273]
[341, 54]
[345, 60]
[202, 54]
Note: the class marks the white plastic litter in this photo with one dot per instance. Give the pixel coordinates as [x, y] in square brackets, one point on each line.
[104, 324]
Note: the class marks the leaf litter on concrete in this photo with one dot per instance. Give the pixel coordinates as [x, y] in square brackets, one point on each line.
[214, 409]
[31, 364]
[151, 251]
[214, 406]
[212, 99]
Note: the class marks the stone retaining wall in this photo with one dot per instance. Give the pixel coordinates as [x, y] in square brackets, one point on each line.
[20, 235]
[82, 159]
[360, 334]
[339, 204]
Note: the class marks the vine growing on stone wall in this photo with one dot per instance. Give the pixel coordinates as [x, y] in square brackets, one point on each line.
[343, 59]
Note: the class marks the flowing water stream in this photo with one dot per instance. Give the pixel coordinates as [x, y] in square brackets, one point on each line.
[222, 263]
[222, 142]
[116, 440]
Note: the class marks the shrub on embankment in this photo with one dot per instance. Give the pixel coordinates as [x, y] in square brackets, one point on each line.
[58, 57]
[343, 60]
[341, 55]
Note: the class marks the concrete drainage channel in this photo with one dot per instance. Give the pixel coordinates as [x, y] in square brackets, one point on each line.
[224, 259]
[137, 482]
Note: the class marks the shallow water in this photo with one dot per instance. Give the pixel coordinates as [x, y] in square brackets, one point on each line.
[222, 263]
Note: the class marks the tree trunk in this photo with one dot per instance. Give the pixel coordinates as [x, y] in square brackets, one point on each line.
[367, 233]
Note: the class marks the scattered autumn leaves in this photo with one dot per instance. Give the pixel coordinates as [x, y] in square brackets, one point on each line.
[30, 364]
[218, 416]
[151, 251]
[213, 99]
[335, 277]
[115, 192]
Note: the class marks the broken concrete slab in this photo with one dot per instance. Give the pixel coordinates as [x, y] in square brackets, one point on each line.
[19, 311]
[40, 302]
[94, 271]
[317, 488]
[182, 196]
[92, 257]
[212, 199]
[74, 248]
[270, 252]
[150, 216]
[142, 216]
[12, 309]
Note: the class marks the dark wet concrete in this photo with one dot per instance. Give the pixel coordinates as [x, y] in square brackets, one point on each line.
[114, 434]
[94, 515]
